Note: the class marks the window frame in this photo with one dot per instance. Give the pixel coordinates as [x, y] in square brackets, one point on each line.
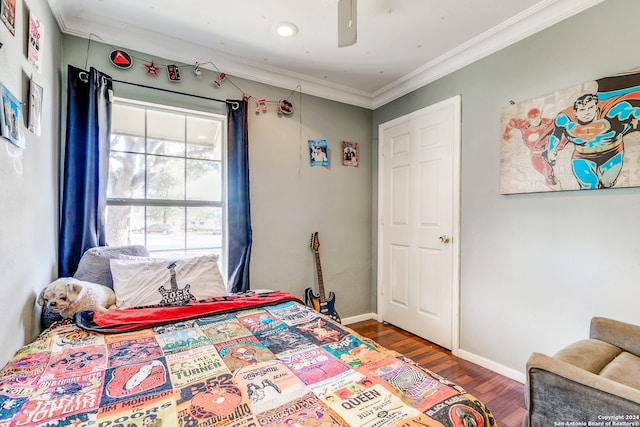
[184, 203]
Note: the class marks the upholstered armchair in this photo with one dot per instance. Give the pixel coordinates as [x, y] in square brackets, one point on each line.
[593, 380]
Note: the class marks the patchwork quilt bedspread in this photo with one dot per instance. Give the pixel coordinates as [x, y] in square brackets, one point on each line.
[242, 361]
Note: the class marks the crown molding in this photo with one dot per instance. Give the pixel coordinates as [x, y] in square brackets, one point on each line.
[531, 21]
[308, 85]
[519, 27]
[180, 51]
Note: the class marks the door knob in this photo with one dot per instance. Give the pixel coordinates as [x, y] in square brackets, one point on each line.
[445, 239]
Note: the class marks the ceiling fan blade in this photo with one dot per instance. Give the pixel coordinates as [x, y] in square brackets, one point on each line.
[347, 22]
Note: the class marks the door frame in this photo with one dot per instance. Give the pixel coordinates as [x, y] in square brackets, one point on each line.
[455, 101]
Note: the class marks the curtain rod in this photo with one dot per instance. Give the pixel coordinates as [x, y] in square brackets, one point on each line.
[168, 90]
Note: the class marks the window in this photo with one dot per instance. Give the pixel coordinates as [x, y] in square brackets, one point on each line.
[166, 187]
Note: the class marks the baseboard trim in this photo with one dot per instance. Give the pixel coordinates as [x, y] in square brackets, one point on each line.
[359, 318]
[492, 366]
[462, 354]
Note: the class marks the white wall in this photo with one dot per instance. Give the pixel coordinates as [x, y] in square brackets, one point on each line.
[28, 181]
[536, 267]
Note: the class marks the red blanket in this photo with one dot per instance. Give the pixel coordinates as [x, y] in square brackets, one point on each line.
[135, 318]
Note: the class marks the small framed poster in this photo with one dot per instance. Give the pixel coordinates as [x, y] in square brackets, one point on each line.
[349, 153]
[10, 119]
[35, 108]
[8, 14]
[318, 152]
[35, 33]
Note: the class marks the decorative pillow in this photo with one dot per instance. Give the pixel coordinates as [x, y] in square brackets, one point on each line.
[155, 281]
[94, 265]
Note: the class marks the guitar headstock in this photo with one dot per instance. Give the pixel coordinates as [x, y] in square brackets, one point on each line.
[315, 242]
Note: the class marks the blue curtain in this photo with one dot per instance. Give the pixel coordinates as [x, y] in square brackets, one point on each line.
[239, 211]
[86, 163]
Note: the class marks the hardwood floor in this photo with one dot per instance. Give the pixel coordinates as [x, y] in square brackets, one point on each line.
[503, 396]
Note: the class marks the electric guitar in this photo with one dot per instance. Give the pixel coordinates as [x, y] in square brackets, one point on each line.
[319, 302]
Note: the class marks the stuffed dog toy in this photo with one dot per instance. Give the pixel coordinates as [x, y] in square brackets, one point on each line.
[67, 296]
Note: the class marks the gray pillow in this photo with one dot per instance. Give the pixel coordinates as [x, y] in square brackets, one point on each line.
[94, 265]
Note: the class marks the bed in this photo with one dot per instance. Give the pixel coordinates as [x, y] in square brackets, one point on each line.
[250, 359]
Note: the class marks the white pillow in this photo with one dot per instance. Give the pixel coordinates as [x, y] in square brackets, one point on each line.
[140, 282]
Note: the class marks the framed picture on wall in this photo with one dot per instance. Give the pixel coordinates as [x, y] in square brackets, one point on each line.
[35, 39]
[349, 153]
[35, 108]
[318, 152]
[8, 14]
[584, 137]
[11, 119]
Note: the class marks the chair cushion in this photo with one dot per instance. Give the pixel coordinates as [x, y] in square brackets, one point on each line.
[589, 354]
[624, 369]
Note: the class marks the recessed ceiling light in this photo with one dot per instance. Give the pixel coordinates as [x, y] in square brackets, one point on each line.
[286, 29]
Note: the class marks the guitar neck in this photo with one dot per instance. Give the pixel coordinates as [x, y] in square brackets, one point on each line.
[172, 272]
[323, 298]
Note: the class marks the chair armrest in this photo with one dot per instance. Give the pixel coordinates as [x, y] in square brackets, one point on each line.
[623, 335]
[559, 392]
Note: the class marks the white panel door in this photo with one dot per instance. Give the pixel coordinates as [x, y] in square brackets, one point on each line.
[418, 217]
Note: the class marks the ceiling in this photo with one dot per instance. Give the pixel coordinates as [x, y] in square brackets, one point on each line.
[402, 44]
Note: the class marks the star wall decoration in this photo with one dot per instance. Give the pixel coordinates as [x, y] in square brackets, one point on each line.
[152, 68]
